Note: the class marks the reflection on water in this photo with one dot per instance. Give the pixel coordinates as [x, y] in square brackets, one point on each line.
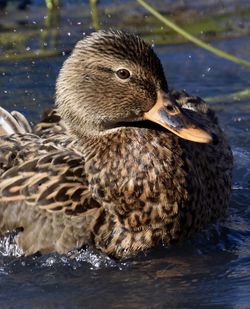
[211, 269]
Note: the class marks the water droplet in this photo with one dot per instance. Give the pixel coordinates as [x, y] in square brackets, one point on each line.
[5, 91]
[27, 48]
[64, 259]
[208, 69]
[3, 73]
[41, 30]
[79, 23]
[190, 57]
[45, 44]
[237, 119]
[69, 34]
[50, 261]
[63, 53]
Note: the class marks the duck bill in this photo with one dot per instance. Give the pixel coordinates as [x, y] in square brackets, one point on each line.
[170, 116]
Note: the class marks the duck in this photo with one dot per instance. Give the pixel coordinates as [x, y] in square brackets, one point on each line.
[122, 163]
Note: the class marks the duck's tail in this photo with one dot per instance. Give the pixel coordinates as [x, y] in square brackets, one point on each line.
[12, 123]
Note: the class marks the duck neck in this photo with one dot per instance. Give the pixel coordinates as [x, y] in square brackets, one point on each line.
[92, 139]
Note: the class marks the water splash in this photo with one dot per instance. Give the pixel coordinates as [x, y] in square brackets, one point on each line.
[97, 260]
[74, 259]
[8, 246]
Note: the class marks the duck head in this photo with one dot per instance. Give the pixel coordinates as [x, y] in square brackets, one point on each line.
[113, 77]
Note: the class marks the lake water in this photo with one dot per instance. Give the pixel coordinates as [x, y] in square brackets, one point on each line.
[210, 270]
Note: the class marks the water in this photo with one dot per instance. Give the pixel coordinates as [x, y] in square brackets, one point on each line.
[210, 270]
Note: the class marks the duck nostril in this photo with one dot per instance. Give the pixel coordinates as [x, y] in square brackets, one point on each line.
[169, 108]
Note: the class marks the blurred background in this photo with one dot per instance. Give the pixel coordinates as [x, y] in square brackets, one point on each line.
[212, 269]
[56, 24]
[37, 35]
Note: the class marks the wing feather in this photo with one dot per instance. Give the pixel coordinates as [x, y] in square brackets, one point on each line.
[44, 191]
[14, 122]
[52, 182]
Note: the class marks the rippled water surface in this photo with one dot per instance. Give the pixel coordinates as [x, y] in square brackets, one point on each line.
[212, 269]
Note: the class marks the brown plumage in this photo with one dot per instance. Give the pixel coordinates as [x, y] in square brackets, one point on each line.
[95, 172]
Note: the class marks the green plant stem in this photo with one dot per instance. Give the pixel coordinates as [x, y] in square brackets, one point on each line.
[191, 38]
[94, 13]
[49, 4]
[243, 94]
[33, 55]
[52, 4]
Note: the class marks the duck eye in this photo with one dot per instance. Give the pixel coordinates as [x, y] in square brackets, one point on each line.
[123, 73]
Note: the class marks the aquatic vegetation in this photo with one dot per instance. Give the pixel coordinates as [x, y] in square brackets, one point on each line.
[243, 94]
[192, 38]
[52, 4]
[44, 33]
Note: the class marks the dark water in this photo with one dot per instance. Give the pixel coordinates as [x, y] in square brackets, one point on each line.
[210, 270]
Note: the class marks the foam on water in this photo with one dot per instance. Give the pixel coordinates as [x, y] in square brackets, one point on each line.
[8, 246]
[75, 258]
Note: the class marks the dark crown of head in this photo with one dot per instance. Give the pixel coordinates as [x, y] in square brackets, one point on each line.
[124, 46]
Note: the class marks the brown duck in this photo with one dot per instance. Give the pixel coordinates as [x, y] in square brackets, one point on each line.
[121, 165]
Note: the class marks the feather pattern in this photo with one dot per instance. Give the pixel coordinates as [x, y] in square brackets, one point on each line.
[13, 122]
[54, 182]
[45, 179]
[91, 172]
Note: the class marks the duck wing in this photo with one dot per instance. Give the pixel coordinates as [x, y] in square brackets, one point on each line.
[44, 191]
[53, 182]
[15, 122]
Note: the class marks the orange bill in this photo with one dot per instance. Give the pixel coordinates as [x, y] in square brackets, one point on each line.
[169, 115]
